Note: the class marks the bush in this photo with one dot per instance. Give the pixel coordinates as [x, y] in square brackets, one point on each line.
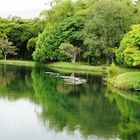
[113, 70]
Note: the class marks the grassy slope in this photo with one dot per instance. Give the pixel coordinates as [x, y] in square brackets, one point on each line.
[127, 81]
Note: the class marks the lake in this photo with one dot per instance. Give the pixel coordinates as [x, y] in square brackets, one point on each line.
[35, 105]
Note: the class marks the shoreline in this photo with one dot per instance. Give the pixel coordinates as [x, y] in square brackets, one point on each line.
[59, 66]
[128, 81]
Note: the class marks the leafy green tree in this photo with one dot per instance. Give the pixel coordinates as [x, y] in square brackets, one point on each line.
[19, 31]
[129, 50]
[62, 9]
[19, 34]
[108, 22]
[59, 11]
[70, 30]
[69, 51]
[7, 47]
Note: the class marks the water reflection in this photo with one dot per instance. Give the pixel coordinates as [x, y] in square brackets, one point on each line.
[83, 107]
[128, 105]
[87, 111]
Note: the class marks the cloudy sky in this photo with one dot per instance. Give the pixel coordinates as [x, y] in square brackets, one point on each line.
[23, 8]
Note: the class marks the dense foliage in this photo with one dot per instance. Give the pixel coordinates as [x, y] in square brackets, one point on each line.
[129, 50]
[69, 31]
[108, 22]
[19, 31]
[96, 27]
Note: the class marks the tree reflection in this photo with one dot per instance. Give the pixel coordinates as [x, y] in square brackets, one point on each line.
[128, 105]
[14, 83]
[72, 107]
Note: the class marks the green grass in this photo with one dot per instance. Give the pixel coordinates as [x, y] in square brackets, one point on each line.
[65, 71]
[64, 67]
[77, 67]
[18, 63]
[127, 81]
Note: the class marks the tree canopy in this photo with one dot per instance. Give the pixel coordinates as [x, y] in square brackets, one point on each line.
[108, 22]
[129, 50]
[70, 30]
[94, 26]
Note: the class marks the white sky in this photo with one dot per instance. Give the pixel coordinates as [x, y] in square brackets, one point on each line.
[23, 8]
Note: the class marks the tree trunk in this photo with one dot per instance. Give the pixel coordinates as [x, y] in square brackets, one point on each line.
[5, 56]
[73, 60]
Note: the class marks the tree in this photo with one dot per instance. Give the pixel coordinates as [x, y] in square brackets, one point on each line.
[7, 47]
[19, 31]
[63, 9]
[59, 11]
[19, 34]
[70, 30]
[106, 26]
[129, 50]
[69, 51]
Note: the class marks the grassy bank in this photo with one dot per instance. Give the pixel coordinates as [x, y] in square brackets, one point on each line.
[77, 67]
[126, 81]
[64, 67]
[18, 63]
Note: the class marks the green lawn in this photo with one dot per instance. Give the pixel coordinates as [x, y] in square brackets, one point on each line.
[18, 63]
[64, 67]
[127, 81]
[77, 67]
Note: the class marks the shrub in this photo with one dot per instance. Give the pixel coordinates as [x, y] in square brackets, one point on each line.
[113, 70]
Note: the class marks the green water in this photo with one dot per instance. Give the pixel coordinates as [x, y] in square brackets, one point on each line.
[38, 106]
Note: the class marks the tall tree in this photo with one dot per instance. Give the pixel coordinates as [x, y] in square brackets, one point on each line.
[70, 30]
[107, 24]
